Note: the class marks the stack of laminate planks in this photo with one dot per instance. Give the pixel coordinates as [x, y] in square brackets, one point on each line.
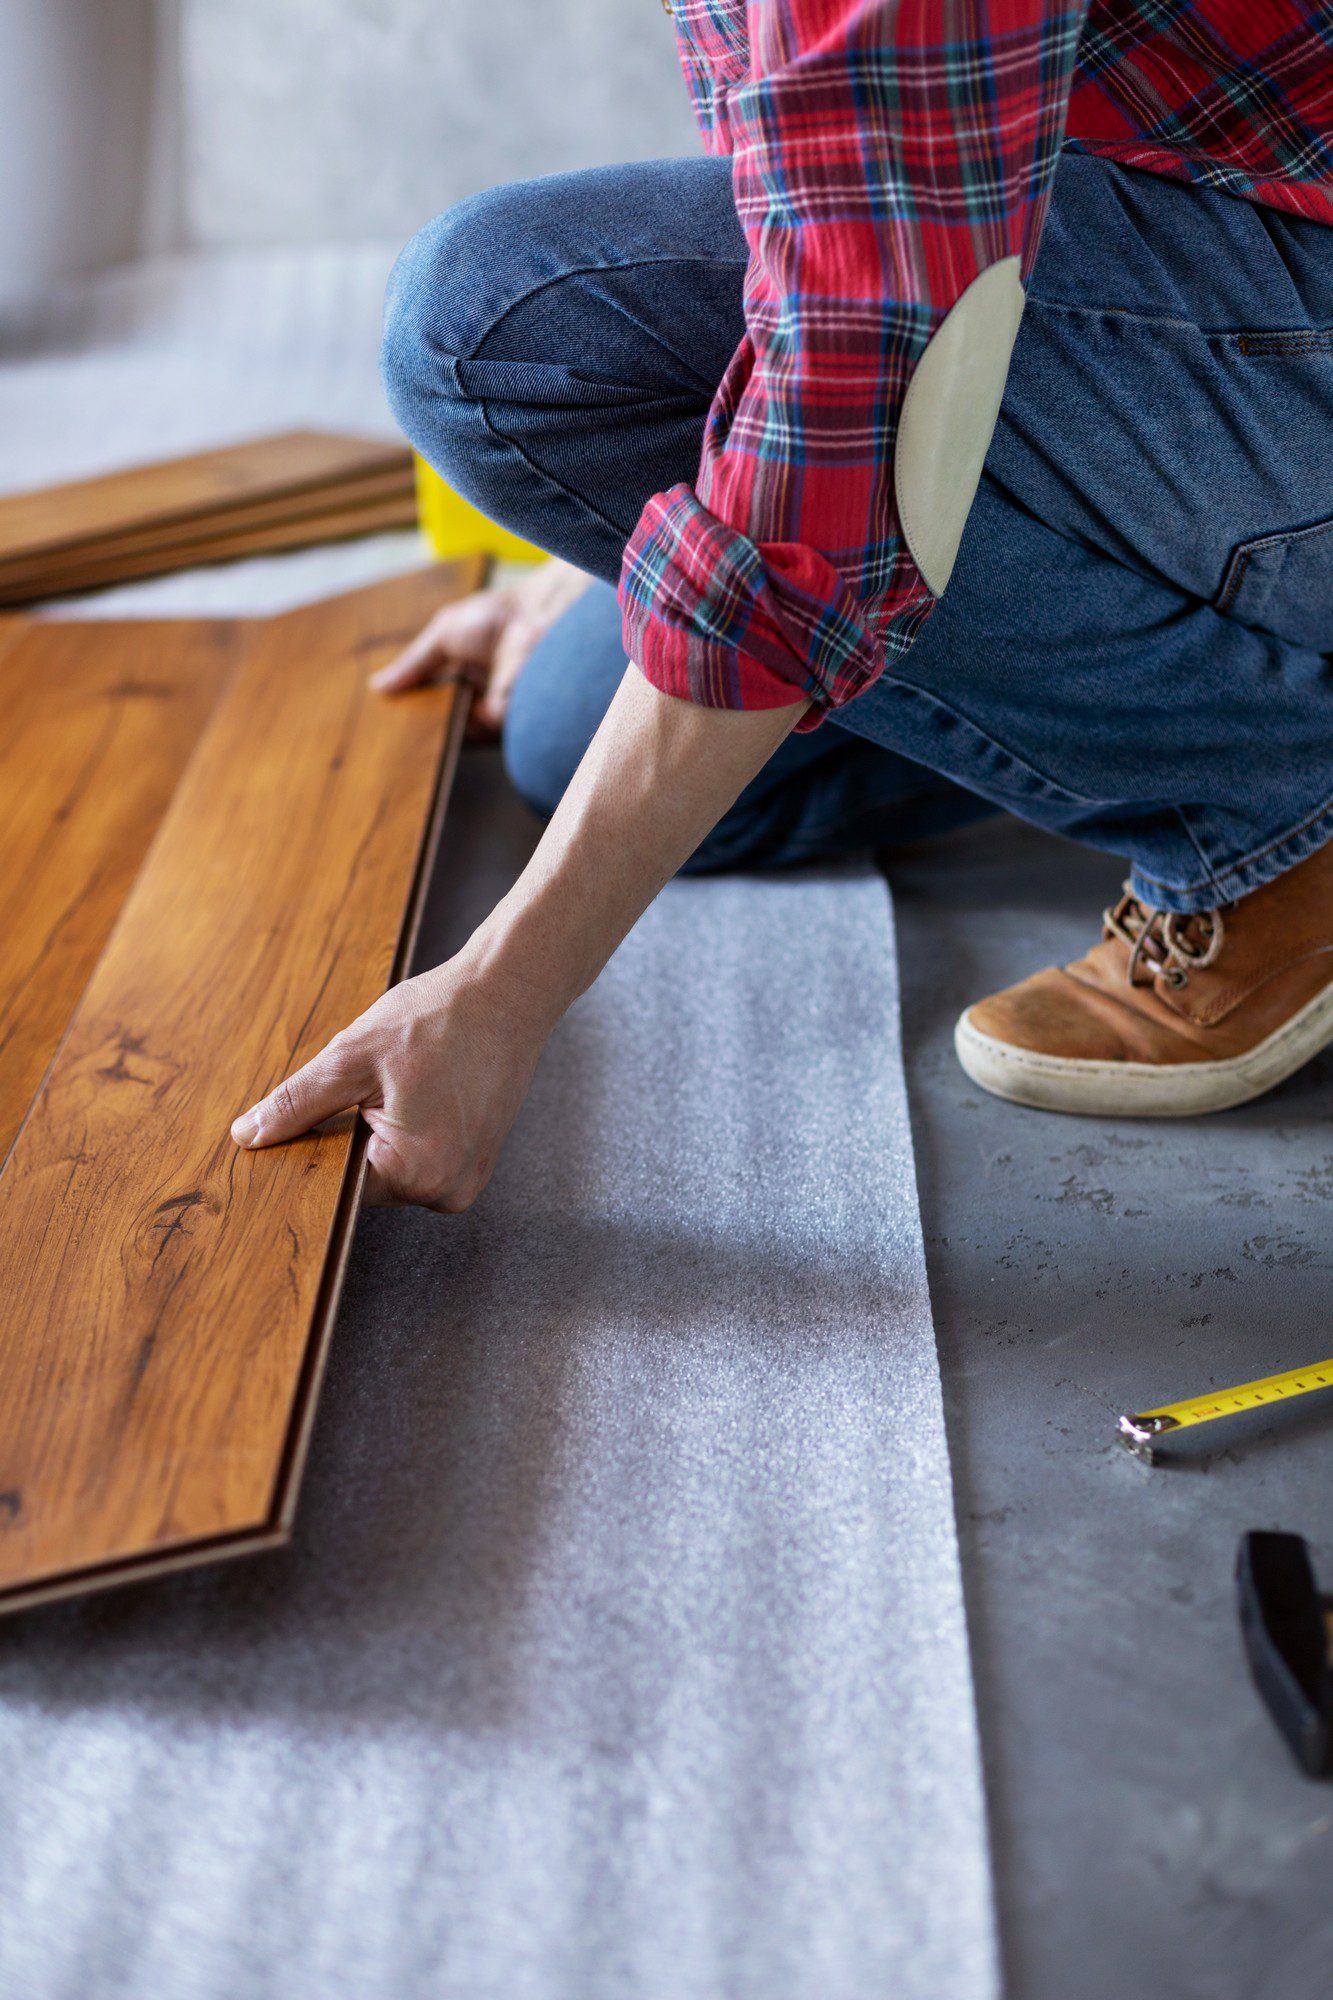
[250, 499]
[216, 840]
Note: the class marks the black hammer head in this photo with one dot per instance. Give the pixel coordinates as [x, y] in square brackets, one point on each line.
[1283, 1620]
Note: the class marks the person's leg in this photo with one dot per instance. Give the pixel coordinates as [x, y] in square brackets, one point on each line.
[1135, 645]
[553, 348]
[1134, 648]
[823, 795]
[1139, 669]
[1112, 708]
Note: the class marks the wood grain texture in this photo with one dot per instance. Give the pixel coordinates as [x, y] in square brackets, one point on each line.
[27, 572]
[99, 721]
[166, 1297]
[35, 524]
[376, 517]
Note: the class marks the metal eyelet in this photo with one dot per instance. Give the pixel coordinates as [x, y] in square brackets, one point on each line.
[1176, 975]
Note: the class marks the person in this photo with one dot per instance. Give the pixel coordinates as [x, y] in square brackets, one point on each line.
[756, 393]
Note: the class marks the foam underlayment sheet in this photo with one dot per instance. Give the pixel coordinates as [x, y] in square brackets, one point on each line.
[620, 1654]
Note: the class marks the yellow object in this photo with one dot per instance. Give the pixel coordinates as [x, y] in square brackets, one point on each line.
[1145, 1426]
[1246, 1395]
[454, 527]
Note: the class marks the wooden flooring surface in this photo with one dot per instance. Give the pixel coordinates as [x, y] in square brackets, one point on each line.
[99, 721]
[164, 1297]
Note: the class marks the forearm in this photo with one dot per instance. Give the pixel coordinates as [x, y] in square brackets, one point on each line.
[655, 780]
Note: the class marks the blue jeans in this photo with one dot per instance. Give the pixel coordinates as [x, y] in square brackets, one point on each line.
[1136, 646]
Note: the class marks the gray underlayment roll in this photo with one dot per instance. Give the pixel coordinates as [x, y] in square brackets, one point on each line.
[621, 1653]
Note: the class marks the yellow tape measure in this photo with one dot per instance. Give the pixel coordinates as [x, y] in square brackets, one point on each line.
[1146, 1427]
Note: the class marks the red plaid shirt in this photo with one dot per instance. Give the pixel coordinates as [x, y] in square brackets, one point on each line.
[884, 153]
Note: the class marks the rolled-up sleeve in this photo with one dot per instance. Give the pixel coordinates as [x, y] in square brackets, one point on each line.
[885, 155]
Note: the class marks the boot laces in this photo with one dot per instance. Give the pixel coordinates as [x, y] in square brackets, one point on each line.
[1162, 941]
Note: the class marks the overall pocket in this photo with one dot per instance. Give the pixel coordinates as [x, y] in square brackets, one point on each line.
[1283, 584]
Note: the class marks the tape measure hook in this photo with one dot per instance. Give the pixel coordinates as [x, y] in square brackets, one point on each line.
[1139, 1434]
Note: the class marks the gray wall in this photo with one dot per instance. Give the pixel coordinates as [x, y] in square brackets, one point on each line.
[77, 95]
[320, 119]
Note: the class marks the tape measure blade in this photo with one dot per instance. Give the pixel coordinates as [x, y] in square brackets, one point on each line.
[1246, 1395]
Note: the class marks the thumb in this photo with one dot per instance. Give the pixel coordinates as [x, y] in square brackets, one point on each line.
[334, 1080]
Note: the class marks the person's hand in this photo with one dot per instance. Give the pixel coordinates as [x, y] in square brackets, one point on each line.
[440, 1065]
[485, 639]
[438, 1068]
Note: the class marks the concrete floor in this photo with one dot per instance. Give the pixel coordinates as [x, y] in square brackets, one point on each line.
[1151, 1834]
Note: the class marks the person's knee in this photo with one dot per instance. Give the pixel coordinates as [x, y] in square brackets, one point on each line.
[445, 291]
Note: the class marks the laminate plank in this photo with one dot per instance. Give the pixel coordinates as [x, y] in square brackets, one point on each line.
[25, 578]
[167, 1297]
[47, 518]
[377, 517]
[100, 720]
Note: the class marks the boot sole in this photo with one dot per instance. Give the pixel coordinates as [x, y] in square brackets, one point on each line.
[1144, 1090]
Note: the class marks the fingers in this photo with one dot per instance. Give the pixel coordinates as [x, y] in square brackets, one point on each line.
[335, 1080]
[383, 1174]
[419, 662]
[422, 1176]
[460, 639]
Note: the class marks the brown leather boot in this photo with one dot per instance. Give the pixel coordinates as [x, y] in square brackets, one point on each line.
[1169, 1015]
